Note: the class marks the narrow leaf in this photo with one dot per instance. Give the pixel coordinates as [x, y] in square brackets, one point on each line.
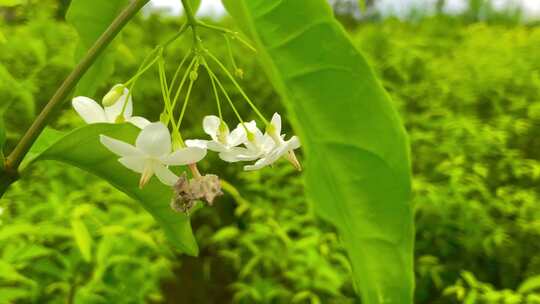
[357, 171]
[2, 140]
[531, 284]
[81, 148]
[91, 19]
[82, 238]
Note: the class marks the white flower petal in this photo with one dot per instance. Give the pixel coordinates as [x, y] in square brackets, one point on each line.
[119, 147]
[261, 163]
[114, 111]
[197, 143]
[237, 136]
[293, 143]
[216, 146]
[211, 126]
[184, 156]
[252, 127]
[165, 175]
[155, 140]
[134, 163]
[276, 122]
[139, 122]
[89, 110]
[237, 154]
[267, 143]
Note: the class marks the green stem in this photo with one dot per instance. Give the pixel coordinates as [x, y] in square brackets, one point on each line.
[182, 82]
[231, 56]
[176, 36]
[165, 92]
[144, 66]
[192, 21]
[177, 72]
[220, 85]
[189, 13]
[238, 87]
[225, 31]
[13, 161]
[216, 93]
[186, 101]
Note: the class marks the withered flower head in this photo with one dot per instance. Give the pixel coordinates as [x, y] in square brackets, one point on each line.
[187, 192]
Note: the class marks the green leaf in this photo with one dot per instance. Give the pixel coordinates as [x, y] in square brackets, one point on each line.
[91, 19]
[2, 140]
[11, 294]
[46, 139]
[358, 170]
[2, 37]
[81, 148]
[10, 3]
[83, 239]
[531, 284]
[3, 135]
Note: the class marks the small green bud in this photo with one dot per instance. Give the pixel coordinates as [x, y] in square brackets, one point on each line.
[223, 132]
[250, 136]
[113, 95]
[193, 75]
[239, 73]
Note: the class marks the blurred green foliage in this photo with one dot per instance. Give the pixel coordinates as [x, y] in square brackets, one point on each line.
[469, 97]
[468, 92]
[68, 238]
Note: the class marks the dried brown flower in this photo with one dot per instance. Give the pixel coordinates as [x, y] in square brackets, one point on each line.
[187, 192]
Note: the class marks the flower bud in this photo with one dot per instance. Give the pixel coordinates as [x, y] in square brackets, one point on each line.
[223, 132]
[239, 73]
[113, 95]
[193, 75]
[250, 136]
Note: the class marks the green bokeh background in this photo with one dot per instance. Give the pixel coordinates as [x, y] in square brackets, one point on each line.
[467, 87]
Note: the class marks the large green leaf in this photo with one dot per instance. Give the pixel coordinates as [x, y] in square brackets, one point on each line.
[2, 140]
[91, 19]
[81, 148]
[10, 3]
[2, 133]
[357, 170]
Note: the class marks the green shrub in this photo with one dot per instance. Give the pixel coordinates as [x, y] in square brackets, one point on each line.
[65, 236]
[468, 94]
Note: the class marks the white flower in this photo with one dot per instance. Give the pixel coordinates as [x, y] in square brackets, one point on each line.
[152, 154]
[257, 146]
[222, 140]
[91, 112]
[281, 147]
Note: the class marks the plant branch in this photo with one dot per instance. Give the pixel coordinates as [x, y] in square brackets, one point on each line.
[189, 13]
[9, 175]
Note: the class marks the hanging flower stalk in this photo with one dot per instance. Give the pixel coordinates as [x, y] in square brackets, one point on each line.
[160, 146]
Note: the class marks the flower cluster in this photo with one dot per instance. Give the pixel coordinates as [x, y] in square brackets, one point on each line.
[265, 149]
[154, 152]
[160, 147]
